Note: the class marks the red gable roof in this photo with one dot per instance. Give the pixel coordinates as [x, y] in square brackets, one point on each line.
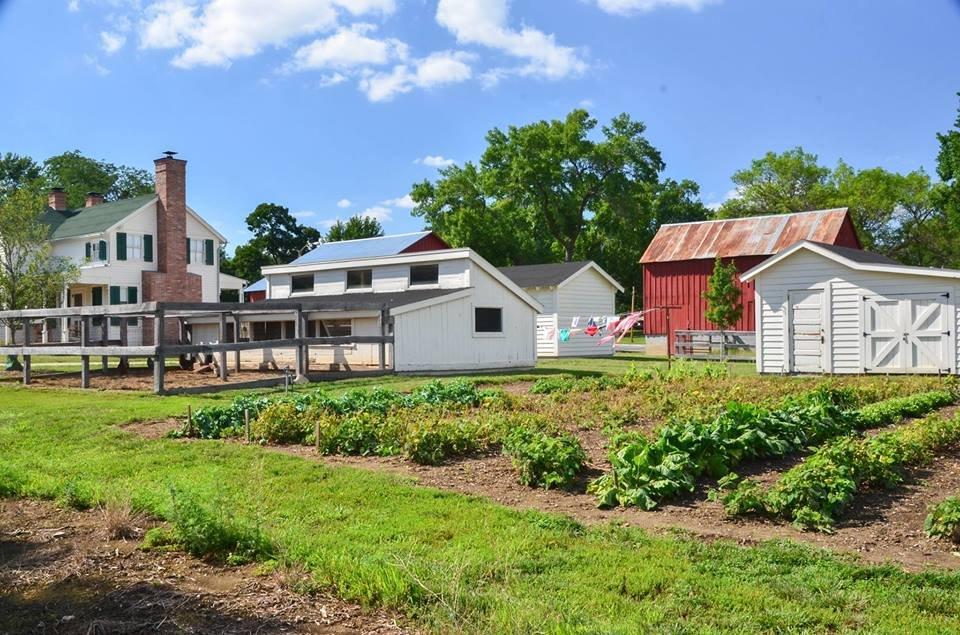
[752, 236]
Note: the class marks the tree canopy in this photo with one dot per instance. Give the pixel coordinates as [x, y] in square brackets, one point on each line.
[355, 227]
[278, 238]
[78, 175]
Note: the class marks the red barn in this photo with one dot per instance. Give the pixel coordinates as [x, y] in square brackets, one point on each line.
[679, 260]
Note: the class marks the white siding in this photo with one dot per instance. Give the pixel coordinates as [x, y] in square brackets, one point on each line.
[210, 274]
[588, 295]
[843, 322]
[453, 274]
[441, 338]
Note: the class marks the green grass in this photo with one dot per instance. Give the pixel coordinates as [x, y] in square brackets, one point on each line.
[453, 562]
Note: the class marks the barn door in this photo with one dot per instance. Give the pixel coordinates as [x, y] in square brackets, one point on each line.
[806, 331]
[907, 333]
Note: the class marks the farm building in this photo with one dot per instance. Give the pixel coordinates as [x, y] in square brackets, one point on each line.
[567, 290]
[680, 259]
[448, 309]
[826, 308]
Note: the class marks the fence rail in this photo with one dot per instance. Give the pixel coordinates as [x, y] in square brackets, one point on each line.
[735, 345]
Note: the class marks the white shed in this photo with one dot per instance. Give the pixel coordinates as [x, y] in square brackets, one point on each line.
[567, 290]
[829, 309]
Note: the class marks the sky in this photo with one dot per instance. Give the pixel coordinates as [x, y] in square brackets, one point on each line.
[336, 107]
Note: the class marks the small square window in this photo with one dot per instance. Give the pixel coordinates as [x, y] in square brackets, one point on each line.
[424, 274]
[360, 279]
[487, 320]
[302, 283]
[134, 247]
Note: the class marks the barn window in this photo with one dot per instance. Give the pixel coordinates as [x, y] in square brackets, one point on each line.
[487, 320]
[424, 274]
[302, 283]
[360, 279]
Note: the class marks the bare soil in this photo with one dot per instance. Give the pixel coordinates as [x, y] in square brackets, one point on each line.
[60, 572]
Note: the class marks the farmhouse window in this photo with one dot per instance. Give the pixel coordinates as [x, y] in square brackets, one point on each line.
[360, 279]
[424, 274]
[302, 283]
[134, 246]
[196, 254]
[487, 320]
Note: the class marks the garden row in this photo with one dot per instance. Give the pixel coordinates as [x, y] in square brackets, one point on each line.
[681, 369]
[646, 472]
[814, 493]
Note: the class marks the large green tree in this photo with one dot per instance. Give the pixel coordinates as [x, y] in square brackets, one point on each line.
[947, 195]
[353, 228]
[538, 187]
[16, 171]
[78, 175]
[278, 238]
[791, 181]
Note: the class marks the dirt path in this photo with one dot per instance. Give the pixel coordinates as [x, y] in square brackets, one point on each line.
[61, 573]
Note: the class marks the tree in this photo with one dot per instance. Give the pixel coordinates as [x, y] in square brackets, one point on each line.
[355, 227]
[947, 196]
[16, 171]
[30, 275]
[79, 175]
[538, 186]
[723, 298]
[792, 181]
[277, 239]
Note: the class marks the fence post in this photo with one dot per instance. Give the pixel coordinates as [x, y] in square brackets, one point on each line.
[316, 434]
[246, 424]
[189, 421]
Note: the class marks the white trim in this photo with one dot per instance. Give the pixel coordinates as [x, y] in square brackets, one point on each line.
[368, 262]
[851, 264]
[599, 270]
[504, 280]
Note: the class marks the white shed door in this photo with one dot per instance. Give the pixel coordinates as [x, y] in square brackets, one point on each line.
[907, 333]
[806, 331]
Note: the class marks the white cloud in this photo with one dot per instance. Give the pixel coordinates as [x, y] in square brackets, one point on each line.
[379, 212]
[73, 6]
[484, 22]
[111, 42]
[332, 79]
[94, 63]
[403, 202]
[349, 47]
[435, 161]
[304, 214]
[585, 103]
[344, 203]
[442, 67]
[627, 7]
[217, 32]
[731, 194]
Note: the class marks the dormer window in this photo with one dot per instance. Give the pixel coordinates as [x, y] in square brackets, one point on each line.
[360, 279]
[424, 274]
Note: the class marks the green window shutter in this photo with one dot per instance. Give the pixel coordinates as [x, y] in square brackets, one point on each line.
[114, 295]
[131, 295]
[188, 251]
[88, 251]
[103, 250]
[121, 246]
[97, 296]
[208, 251]
[147, 248]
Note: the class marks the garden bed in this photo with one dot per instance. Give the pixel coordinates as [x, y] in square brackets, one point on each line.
[62, 573]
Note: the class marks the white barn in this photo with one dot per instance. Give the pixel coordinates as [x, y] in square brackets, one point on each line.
[449, 309]
[828, 309]
[567, 290]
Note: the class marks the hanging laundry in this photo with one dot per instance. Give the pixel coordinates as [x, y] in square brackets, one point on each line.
[564, 335]
[574, 322]
[591, 330]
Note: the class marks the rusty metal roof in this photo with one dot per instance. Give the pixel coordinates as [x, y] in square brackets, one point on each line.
[752, 236]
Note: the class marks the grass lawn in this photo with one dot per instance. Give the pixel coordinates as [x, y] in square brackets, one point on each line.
[453, 562]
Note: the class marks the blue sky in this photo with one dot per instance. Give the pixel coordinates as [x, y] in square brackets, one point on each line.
[335, 107]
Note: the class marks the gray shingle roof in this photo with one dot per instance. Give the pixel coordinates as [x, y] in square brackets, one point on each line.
[859, 255]
[92, 220]
[363, 301]
[547, 275]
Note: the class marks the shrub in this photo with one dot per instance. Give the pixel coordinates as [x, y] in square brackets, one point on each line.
[430, 441]
[544, 459]
[357, 434]
[205, 532]
[944, 520]
[282, 422]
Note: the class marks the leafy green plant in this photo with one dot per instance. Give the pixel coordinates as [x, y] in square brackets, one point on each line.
[944, 519]
[77, 494]
[553, 384]
[688, 369]
[544, 459]
[209, 531]
[739, 496]
[430, 441]
[11, 482]
[895, 410]
[217, 422]
[282, 422]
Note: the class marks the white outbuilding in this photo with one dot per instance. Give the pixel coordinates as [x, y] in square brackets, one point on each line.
[567, 290]
[828, 309]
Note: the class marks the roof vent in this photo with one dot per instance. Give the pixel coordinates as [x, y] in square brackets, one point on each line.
[170, 153]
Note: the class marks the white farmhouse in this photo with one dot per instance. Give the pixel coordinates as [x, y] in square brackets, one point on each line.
[567, 290]
[829, 309]
[142, 249]
[447, 309]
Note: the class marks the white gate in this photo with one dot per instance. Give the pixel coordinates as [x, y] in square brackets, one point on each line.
[806, 331]
[547, 345]
[907, 333]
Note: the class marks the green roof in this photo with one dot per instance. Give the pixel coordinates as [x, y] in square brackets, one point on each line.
[92, 220]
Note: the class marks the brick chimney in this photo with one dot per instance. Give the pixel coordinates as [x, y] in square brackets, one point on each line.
[171, 282]
[93, 198]
[57, 199]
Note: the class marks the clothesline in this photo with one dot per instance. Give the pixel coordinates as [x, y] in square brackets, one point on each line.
[608, 327]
